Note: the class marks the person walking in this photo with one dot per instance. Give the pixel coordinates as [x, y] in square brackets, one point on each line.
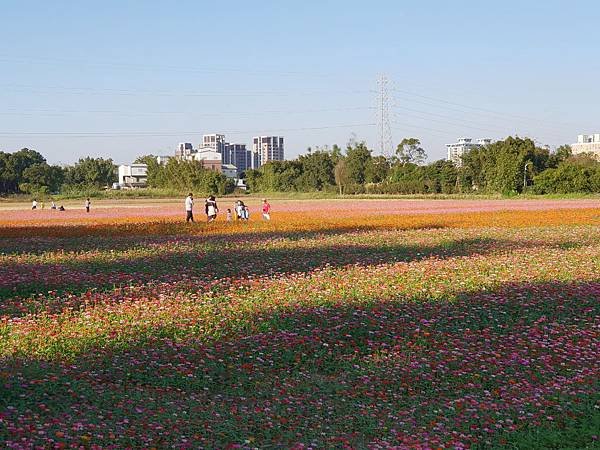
[266, 210]
[189, 207]
[239, 210]
[211, 209]
[34, 204]
[87, 204]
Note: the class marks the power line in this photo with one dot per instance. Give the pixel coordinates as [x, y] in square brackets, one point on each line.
[153, 67]
[104, 134]
[133, 92]
[475, 108]
[247, 114]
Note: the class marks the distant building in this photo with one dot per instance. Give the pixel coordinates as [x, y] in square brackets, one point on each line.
[269, 148]
[163, 159]
[210, 158]
[184, 150]
[133, 175]
[239, 156]
[214, 141]
[462, 146]
[587, 143]
[229, 170]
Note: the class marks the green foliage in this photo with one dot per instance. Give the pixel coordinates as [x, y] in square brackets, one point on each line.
[154, 169]
[500, 167]
[42, 178]
[410, 151]
[342, 178]
[12, 167]
[357, 159]
[187, 176]
[91, 172]
[377, 169]
[317, 171]
[574, 174]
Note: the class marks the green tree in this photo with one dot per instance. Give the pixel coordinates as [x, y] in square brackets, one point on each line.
[317, 171]
[153, 173]
[377, 169]
[12, 166]
[342, 175]
[42, 178]
[91, 172]
[357, 158]
[253, 180]
[559, 155]
[410, 151]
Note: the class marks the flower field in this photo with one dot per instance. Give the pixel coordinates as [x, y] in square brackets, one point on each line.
[365, 324]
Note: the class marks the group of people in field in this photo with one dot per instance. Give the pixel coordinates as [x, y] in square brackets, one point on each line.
[241, 212]
[42, 205]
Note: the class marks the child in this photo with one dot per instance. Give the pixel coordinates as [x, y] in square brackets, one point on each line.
[228, 215]
[266, 210]
[53, 205]
[246, 213]
[239, 210]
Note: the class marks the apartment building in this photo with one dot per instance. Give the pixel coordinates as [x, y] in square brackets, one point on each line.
[462, 146]
[269, 148]
[587, 143]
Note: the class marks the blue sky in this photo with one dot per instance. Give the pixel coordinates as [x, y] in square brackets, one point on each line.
[124, 78]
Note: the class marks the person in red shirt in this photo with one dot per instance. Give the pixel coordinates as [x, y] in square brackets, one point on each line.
[266, 210]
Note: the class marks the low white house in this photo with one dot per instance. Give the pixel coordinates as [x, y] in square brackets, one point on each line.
[133, 175]
[229, 170]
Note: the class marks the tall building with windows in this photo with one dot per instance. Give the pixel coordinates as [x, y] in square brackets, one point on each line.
[587, 143]
[237, 155]
[268, 148]
[462, 146]
[184, 150]
[214, 141]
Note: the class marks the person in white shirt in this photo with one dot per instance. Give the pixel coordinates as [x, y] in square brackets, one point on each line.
[53, 205]
[34, 204]
[87, 205]
[189, 206]
[211, 209]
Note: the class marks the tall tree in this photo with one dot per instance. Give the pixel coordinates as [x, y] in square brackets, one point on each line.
[92, 172]
[341, 174]
[317, 171]
[42, 178]
[14, 164]
[357, 158]
[410, 151]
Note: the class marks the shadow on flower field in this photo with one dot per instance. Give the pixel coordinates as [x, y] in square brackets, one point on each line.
[460, 371]
[216, 264]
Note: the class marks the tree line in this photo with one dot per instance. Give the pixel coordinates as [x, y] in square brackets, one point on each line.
[511, 166]
[183, 175]
[27, 171]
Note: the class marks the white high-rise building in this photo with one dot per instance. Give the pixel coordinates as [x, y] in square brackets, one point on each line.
[587, 143]
[268, 148]
[214, 141]
[462, 146]
[184, 150]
